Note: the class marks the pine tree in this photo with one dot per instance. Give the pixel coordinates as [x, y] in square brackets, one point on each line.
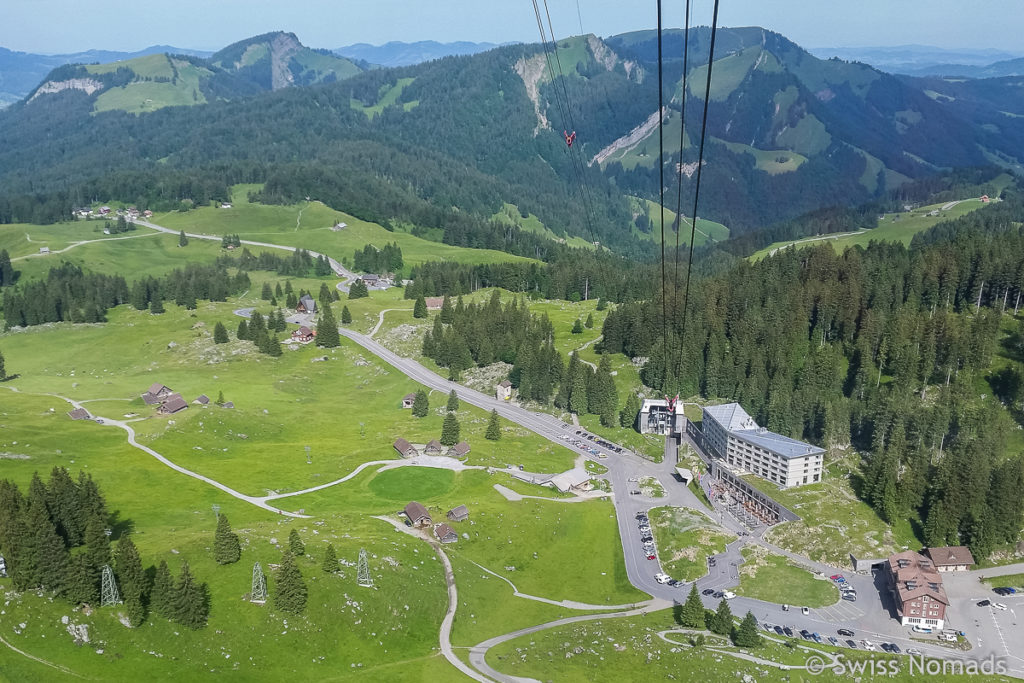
[747, 634]
[220, 398]
[62, 502]
[161, 597]
[346, 317]
[327, 329]
[190, 604]
[278, 292]
[242, 333]
[692, 615]
[450, 430]
[295, 544]
[182, 239]
[453, 402]
[226, 548]
[97, 544]
[220, 333]
[131, 578]
[421, 405]
[358, 290]
[156, 304]
[721, 619]
[419, 309]
[601, 304]
[447, 311]
[493, 427]
[577, 327]
[3, 368]
[627, 417]
[330, 562]
[273, 347]
[82, 586]
[7, 272]
[289, 588]
[45, 552]
[578, 390]
[589, 324]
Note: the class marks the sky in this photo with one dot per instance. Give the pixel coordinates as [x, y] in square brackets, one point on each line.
[61, 26]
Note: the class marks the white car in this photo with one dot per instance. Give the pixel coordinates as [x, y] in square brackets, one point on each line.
[805, 611]
[868, 645]
[999, 605]
[662, 577]
[728, 595]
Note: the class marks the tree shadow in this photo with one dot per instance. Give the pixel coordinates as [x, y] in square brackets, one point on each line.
[120, 527]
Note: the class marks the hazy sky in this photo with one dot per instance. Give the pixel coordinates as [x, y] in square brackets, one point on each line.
[54, 26]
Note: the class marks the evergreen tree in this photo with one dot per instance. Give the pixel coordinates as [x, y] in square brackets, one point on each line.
[190, 604]
[242, 333]
[327, 335]
[7, 272]
[358, 290]
[720, 621]
[278, 292]
[131, 578]
[447, 311]
[419, 309]
[627, 417]
[226, 548]
[273, 346]
[421, 405]
[81, 586]
[601, 304]
[182, 239]
[97, 544]
[43, 550]
[161, 598]
[156, 304]
[493, 427]
[289, 589]
[330, 562]
[346, 317]
[3, 368]
[220, 333]
[450, 430]
[295, 544]
[577, 327]
[747, 634]
[62, 500]
[589, 324]
[90, 501]
[453, 402]
[220, 398]
[578, 389]
[692, 615]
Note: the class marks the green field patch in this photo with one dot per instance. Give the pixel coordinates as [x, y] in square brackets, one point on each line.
[772, 162]
[148, 66]
[808, 136]
[26, 239]
[387, 97]
[1011, 580]
[772, 578]
[685, 539]
[407, 483]
[727, 74]
[510, 215]
[706, 230]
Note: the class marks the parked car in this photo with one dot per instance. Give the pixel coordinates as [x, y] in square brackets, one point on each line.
[661, 577]
[852, 644]
[717, 595]
[788, 631]
[868, 645]
[805, 634]
[999, 605]
[895, 649]
[785, 608]
[779, 630]
[832, 639]
[984, 603]
[850, 597]
[707, 591]
[913, 651]
[805, 611]
[921, 629]
[885, 647]
[845, 632]
[835, 576]
[728, 595]
[651, 556]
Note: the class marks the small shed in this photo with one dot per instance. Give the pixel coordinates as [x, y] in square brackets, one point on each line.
[445, 533]
[434, 448]
[684, 474]
[228, 404]
[408, 400]
[44, 250]
[459, 514]
[202, 400]
[306, 304]
[434, 303]
[573, 480]
[79, 414]
[459, 450]
[417, 514]
[303, 334]
[404, 448]
[174, 403]
[503, 392]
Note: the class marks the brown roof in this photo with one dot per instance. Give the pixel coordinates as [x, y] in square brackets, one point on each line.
[434, 302]
[950, 555]
[505, 383]
[460, 448]
[304, 331]
[79, 414]
[434, 445]
[173, 404]
[403, 446]
[415, 512]
[445, 533]
[914, 575]
[202, 399]
[409, 397]
[156, 389]
[457, 514]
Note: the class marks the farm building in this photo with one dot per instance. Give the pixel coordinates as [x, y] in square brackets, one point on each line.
[303, 334]
[503, 392]
[306, 304]
[408, 400]
[434, 303]
[459, 514]
[573, 480]
[370, 280]
[417, 514]
[445, 533]
[434, 448]
[157, 393]
[957, 558]
[79, 414]
[44, 250]
[174, 403]
[405, 449]
[202, 400]
[459, 450]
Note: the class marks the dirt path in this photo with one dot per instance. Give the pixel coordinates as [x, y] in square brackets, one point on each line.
[380, 320]
[58, 667]
[80, 243]
[580, 348]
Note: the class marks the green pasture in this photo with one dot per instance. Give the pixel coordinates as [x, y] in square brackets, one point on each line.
[685, 539]
[773, 578]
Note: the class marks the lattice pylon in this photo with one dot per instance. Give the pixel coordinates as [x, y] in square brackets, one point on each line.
[109, 594]
[363, 577]
[259, 584]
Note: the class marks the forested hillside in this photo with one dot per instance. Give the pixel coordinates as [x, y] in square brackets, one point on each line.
[796, 133]
[885, 348]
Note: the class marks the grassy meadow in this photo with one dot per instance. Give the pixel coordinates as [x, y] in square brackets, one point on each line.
[685, 539]
[773, 578]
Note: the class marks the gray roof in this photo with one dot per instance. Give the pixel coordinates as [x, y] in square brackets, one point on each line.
[461, 448]
[307, 302]
[202, 399]
[445, 533]
[416, 511]
[173, 404]
[79, 414]
[738, 423]
[458, 513]
[434, 445]
[403, 446]
[156, 389]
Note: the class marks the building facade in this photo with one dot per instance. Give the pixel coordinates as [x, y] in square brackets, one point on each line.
[735, 438]
[917, 589]
[655, 417]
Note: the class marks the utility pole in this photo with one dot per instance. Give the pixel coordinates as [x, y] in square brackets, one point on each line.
[259, 585]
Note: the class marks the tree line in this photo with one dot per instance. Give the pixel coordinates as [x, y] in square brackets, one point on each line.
[370, 259]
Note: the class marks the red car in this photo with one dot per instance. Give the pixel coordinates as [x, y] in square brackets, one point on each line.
[651, 556]
[834, 577]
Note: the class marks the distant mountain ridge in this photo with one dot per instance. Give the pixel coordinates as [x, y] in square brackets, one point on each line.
[927, 60]
[397, 53]
[21, 72]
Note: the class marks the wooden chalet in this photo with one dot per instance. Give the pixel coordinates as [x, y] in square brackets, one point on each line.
[445, 533]
[405, 449]
[417, 514]
[174, 404]
[434, 448]
[459, 514]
